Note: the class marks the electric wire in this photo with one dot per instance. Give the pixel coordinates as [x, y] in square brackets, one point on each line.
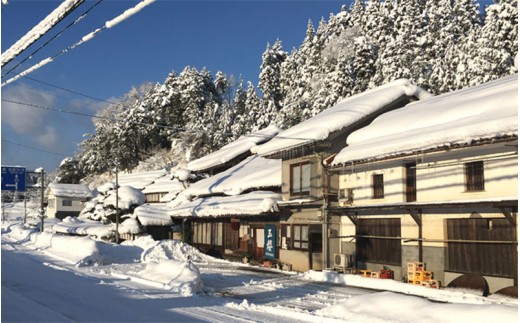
[41, 23]
[175, 128]
[33, 148]
[54, 37]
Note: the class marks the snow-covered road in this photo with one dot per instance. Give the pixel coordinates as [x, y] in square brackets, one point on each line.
[37, 287]
[50, 277]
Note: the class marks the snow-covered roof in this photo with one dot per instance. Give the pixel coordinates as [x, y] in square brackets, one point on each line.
[342, 115]
[253, 172]
[70, 190]
[253, 203]
[233, 150]
[153, 214]
[481, 112]
[164, 184]
[127, 196]
[140, 180]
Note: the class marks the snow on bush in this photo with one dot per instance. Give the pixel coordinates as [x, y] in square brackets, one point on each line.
[180, 276]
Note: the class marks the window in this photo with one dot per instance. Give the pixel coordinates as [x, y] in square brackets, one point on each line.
[300, 236]
[378, 189]
[300, 179]
[411, 183]
[66, 203]
[474, 176]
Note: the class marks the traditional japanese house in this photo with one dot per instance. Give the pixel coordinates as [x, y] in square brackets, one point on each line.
[306, 186]
[66, 199]
[435, 182]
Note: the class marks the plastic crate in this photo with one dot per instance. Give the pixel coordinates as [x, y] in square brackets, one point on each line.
[386, 274]
[423, 275]
[416, 266]
[374, 274]
[365, 273]
[431, 283]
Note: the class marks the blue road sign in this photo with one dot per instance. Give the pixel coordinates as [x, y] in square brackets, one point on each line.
[13, 178]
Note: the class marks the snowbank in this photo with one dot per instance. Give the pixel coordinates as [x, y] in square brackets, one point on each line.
[392, 306]
[182, 277]
[74, 225]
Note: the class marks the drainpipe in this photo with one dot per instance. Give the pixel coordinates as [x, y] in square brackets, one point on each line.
[325, 225]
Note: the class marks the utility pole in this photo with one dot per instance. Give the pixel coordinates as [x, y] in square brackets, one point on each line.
[42, 210]
[117, 206]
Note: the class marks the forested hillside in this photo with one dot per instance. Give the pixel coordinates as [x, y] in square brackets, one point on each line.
[441, 45]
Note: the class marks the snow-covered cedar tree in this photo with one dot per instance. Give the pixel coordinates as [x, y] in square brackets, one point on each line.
[69, 171]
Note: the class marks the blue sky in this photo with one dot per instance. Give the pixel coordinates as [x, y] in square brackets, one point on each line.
[166, 36]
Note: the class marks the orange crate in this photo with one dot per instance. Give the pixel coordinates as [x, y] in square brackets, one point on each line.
[416, 266]
[410, 281]
[417, 282]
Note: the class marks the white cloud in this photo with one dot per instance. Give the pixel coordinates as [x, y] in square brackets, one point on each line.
[23, 119]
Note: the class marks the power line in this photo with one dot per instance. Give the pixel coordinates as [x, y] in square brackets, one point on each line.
[57, 15]
[108, 24]
[175, 128]
[54, 37]
[32, 148]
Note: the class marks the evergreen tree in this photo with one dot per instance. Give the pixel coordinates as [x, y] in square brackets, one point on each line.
[69, 172]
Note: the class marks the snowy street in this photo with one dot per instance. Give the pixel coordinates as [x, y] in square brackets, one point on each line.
[58, 291]
[52, 277]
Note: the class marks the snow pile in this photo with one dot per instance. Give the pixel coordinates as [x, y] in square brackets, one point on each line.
[390, 307]
[127, 197]
[179, 276]
[230, 151]
[486, 111]
[343, 115]
[253, 203]
[80, 251]
[172, 249]
[74, 225]
[70, 190]
[442, 295]
[254, 172]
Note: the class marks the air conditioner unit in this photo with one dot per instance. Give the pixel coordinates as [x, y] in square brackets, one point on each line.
[342, 260]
